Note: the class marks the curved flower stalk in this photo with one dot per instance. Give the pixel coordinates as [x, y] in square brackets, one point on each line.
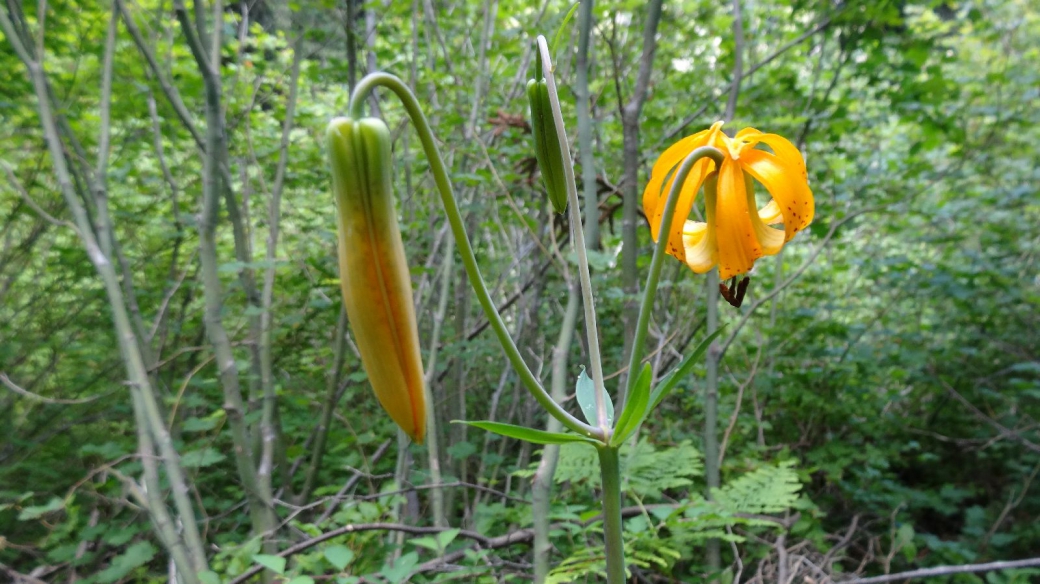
[583, 431]
[735, 232]
[374, 276]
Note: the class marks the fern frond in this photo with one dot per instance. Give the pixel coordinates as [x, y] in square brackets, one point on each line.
[647, 472]
[768, 489]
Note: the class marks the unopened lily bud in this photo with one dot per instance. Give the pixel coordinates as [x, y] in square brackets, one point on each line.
[374, 276]
[547, 149]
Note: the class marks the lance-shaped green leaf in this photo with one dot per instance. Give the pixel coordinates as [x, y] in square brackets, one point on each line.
[634, 411]
[669, 381]
[527, 434]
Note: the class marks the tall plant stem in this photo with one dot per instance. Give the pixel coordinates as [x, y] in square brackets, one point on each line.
[578, 237]
[451, 209]
[650, 291]
[639, 342]
[610, 472]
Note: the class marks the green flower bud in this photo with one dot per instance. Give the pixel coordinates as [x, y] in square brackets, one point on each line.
[547, 149]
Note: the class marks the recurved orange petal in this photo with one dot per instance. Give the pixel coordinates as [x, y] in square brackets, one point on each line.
[655, 194]
[662, 176]
[770, 239]
[781, 147]
[785, 181]
[786, 151]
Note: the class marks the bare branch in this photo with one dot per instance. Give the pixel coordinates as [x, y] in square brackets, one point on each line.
[18, 188]
[947, 570]
[172, 95]
[24, 392]
[776, 54]
[1002, 429]
[738, 61]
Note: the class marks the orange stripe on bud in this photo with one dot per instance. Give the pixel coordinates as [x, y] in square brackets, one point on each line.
[374, 276]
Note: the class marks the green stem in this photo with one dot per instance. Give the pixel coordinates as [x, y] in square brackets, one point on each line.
[451, 209]
[610, 472]
[650, 291]
[578, 237]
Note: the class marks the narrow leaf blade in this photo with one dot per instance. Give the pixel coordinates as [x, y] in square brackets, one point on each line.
[635, 408]
[527, 434]
[669, 382]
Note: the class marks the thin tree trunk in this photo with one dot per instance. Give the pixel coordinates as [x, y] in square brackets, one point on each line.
[458, 432]
[350, 27]
[268, 428]
[370, 56]
[541, 486]
[332, 394]
[146, 408]
[164, 524]
[711, 379]
[258, 493]
[588, 160]
[432, 429]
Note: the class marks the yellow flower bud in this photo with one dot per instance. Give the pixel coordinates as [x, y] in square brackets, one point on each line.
[374, 276]
[547, 148]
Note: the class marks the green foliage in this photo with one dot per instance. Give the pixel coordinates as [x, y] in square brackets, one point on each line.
[135, 556]
[645, 470]
[654, 536]
[899, 366]
[274, 563]
[767, 489]
[580, 566]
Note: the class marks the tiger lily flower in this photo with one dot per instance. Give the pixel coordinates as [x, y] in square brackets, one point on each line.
[735, 232]
[374, 276]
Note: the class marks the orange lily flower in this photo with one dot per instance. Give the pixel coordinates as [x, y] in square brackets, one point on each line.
[736, 231]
